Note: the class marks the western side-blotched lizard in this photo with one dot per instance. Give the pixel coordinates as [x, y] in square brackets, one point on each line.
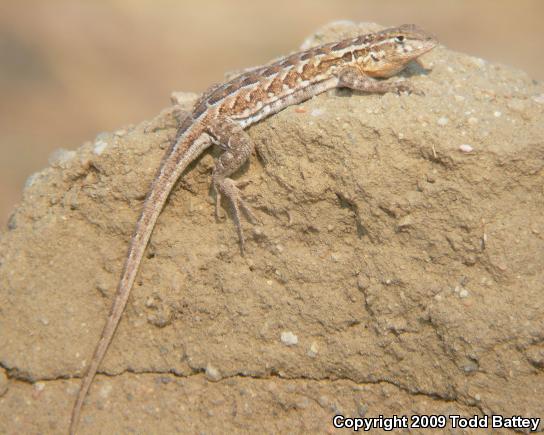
[223, 112]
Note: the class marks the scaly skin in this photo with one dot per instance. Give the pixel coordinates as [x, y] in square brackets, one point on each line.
[223, 112]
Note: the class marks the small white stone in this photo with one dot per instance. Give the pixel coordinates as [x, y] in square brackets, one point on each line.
[99, 147]
[39, 386]
[463, 293]
[288, 338]
[212, 373]
[60, 157]
[442, 120]
[32, 179]
[539, 99]
[317, 112]
[466, 148]
[312, 352]
[497, 114]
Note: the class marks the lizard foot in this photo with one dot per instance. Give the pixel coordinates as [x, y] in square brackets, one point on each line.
[228, 188]
[401, 86]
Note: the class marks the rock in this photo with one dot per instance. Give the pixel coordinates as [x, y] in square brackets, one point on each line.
[288, 338]
[340, 178]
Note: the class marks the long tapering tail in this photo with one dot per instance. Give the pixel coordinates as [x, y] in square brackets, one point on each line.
[186, 149]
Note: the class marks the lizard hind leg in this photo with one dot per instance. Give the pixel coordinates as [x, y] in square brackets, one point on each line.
[237, 147]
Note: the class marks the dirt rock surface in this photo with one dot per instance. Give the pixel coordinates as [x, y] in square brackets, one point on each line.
[397, 268]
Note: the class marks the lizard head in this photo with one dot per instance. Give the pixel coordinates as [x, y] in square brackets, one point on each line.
[392, 49]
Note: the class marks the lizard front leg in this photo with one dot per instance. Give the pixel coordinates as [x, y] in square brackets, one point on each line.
[353, 78]
[237, 146]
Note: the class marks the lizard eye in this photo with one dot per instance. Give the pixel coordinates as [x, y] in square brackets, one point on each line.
[374, 57]
[399, 38]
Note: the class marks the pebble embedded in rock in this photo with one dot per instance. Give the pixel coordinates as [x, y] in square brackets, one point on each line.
[212, 373]
[466, 148]
[312, 351]
[60, 157]
[99, 147]
[288, 338]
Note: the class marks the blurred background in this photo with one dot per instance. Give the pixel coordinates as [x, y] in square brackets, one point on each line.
[70, 69]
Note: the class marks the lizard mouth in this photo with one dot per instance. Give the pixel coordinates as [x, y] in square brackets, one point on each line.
[429, 44]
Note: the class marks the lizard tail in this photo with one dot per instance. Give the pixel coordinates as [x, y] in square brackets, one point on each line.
[186, 149]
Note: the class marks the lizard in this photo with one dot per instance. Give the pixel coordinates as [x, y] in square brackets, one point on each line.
[220, 117]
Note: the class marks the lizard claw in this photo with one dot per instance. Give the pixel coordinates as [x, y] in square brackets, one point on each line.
[405, 87]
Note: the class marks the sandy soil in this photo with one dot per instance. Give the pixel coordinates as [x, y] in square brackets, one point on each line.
[397, 268]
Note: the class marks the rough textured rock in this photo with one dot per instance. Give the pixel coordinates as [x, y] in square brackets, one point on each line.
[398, 268]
